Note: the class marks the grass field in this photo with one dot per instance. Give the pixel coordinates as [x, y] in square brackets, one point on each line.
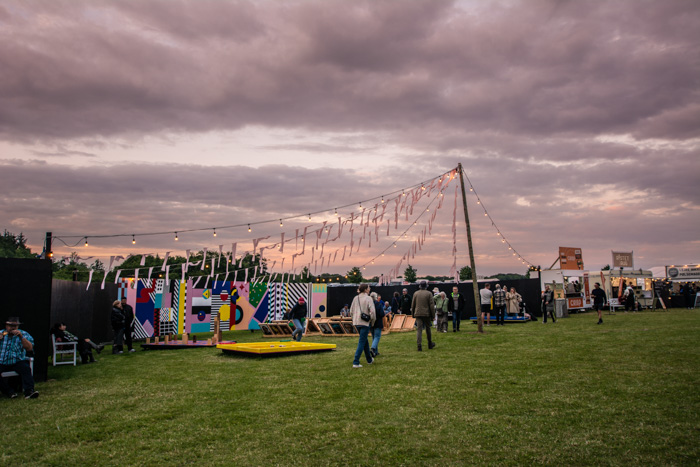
[570, 393]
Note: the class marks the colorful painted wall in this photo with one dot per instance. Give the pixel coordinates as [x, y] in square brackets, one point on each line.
[179, 307]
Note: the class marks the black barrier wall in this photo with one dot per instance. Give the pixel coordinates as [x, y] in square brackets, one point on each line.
[528, 288]
[26, 292]
[85, 312]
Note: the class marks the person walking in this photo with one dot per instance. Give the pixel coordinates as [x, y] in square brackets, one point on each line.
[363, 316]
[441, 306]
[548, 304]
[395, 303]
[486, 296]
[423, 310]
[499, 304]
[378, 325]
[629, 298]
[599, 300]
[298, 315]
[128, 324]
[118, 322]
[456, 305]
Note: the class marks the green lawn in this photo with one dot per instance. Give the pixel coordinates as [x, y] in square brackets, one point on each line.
[570, 393]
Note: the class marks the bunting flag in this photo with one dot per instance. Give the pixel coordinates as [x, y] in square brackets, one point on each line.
[136, 278]
[282, 242]
[90, 279]
[206, 284]
[184, 268]
[167, 275]
[165, 261]
[194, 286]
[233, 251]
[218, 261]
[150, 271]
[204, 259]
[116, 278]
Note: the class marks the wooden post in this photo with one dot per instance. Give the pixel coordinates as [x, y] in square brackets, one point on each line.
[216, 338]
[185, 338]
[477, 301]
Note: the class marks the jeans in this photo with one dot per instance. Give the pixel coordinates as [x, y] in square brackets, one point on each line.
[24, 371]
[118, 340]
[362, 345]
[423, 322]
[298, 331]
[546, 309]
[456, 318]
[376, 335]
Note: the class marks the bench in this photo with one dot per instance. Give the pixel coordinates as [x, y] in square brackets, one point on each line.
[9, 374]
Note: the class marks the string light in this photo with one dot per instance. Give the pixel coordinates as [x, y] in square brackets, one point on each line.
[280, 222]
[336, 211]
[215, 232]
[309, 216]
[86, 242]
[248, 227]
[382, 199]
[176, 239]
[133, 240]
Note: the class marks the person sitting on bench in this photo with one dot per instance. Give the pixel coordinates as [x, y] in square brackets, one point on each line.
[14, 345]
[85, 346]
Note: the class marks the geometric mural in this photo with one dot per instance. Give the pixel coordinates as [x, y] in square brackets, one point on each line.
[179, 307]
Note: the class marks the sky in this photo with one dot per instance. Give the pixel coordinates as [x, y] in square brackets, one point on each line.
[577, 124]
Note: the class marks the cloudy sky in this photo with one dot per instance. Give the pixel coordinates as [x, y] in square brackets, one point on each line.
[577, 122]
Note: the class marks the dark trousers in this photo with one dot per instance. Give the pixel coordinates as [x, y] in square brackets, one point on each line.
[128, 332]
[24, 371]
[456, 318]
[118, 340]
[546, 310]
[500, 314]
[423, 322]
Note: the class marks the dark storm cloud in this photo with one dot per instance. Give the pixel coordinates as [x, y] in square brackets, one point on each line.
[84, 69]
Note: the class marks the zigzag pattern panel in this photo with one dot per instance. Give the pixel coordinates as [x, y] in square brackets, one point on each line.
[140, 332]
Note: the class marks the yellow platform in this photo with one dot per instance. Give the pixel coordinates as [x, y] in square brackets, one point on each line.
[275, 348]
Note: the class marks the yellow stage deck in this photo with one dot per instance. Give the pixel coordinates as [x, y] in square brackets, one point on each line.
[275, 348]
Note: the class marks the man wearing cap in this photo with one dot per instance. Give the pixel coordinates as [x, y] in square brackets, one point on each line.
[423, 309]
[298, 313]
[14, 345]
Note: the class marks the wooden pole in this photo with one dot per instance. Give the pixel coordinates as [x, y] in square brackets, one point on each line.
[477, 301]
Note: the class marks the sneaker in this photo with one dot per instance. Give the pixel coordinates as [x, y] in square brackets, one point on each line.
[373, 352]
[369, 363]
[33, 395]
[357, 366]
[431, 345]
[120, 352]
[132, 350]
[14, 395]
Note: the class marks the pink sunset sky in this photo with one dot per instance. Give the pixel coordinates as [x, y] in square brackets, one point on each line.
[578, 123]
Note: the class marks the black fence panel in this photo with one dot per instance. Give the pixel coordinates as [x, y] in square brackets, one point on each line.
[86, 313]
[26, 292]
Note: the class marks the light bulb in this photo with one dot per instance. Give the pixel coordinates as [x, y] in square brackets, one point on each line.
[336, 211]
[248, 227]
[215, 232]
[176, 239]
[133, 240]
[280, 222]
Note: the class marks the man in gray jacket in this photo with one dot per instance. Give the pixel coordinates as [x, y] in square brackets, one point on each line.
[423, 309]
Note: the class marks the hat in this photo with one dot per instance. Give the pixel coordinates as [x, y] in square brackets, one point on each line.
[13, 320]
[436, 290]
[423, 285]
[301, 300]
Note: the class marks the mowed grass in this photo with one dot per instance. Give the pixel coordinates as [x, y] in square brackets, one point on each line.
[573, 393]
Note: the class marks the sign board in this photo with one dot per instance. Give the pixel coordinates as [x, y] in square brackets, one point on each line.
[570, 258]
[622, 260]
[576, 302]
[687, 273]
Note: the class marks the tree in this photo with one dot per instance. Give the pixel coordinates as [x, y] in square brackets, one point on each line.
[465, 274]
[410, 273]
[14, 246]
[354, 275]
[606, 268]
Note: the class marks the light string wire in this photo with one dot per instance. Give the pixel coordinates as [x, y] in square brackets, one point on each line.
[493, 223]
[246, 224]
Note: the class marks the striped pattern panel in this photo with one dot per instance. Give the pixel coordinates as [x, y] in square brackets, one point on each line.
[216, 303]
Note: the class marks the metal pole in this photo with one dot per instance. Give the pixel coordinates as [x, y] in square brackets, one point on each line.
[477, 301]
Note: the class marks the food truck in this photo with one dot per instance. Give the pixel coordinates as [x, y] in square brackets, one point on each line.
[575, 286]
